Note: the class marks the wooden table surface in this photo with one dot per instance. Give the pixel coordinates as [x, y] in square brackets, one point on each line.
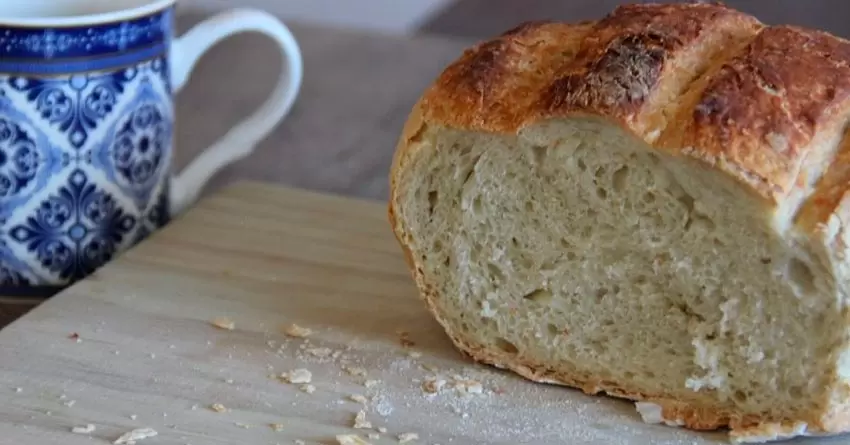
[357, 92]
[263, 257]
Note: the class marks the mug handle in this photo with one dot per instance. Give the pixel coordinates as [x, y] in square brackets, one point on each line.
[242, 139]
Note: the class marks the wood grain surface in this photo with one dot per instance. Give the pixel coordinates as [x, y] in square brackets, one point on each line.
[266, 257]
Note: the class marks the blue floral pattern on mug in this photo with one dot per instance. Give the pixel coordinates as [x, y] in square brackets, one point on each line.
[76, 229]
[76, 105]
[85, 148]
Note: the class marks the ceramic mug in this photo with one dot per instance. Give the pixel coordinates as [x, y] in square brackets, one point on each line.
[86, 126]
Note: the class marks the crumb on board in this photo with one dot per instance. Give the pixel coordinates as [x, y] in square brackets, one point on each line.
[360, 421]
[351, 439]
[374, 436]
[309, 389]
[75, 336]
[433, 386]
[218, 407]
[296, 331]
[320, 352]
[223, 323]
[299, 442]
[133, 417]
[19, 389]
[85, 429]
[70, 403]
[355, 371]
[243, 425]
[414, 354]
[468, 386]
[382, 430]
[407, 437]
[297, 376]
[276, 427]
[371, 383]
[358, 398]
[131, 437]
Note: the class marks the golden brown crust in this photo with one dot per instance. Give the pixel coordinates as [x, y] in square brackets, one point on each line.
[694, 79]
[640, 57]
[494, 85]
[760, 112]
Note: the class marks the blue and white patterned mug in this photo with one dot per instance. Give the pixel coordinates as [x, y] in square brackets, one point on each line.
[86, 122]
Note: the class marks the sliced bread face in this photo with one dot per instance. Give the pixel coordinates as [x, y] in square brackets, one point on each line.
[649, 206]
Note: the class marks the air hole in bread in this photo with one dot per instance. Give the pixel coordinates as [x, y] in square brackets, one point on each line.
[601, 293]
[619, 178]
[495, 273]
[596, 346]
[540, 296]
[598, 174]
[740, 396]
[433, 197]
[687, 310]
[538, 154]
[796, 392]
[688, 202]
[801, 276]
[477, 207]
[468, 175]
[506, 346]
[701, 223]
[581, 165]
[553, 330]
[766, 260]
[601, 193]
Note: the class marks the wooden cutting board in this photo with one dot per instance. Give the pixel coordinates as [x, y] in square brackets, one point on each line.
[265, 257]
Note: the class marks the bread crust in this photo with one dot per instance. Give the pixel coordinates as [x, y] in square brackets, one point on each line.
[761, 111]
[696, 80]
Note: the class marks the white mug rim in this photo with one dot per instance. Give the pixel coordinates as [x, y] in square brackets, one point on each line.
[147, 8]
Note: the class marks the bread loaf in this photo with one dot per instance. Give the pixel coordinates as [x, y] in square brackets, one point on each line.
[650, 206]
